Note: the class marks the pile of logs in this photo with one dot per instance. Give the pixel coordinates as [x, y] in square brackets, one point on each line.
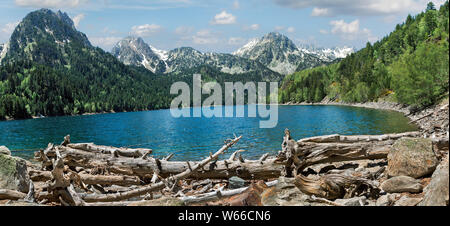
[298, 155]
[85, 174]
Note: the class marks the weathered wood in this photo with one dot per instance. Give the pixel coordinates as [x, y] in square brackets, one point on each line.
[332, 186]
[218, 194]
[157, 186]
[249, 169]
[37, 175]
[6, 194]
[334, 148]
[336, 138]
[124, 152]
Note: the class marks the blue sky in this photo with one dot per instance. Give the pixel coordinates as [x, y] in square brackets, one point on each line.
[223, 25]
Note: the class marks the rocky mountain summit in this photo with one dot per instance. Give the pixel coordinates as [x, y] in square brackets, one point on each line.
[46, 37]
[280, 54]
[135, 51]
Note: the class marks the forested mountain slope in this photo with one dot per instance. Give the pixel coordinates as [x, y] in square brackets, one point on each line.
[412, 63]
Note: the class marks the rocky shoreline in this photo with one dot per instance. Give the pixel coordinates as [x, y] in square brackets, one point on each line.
[406, 169]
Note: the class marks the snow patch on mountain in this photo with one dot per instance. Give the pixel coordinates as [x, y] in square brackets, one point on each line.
[3, 50]
[162, 54]
[252, 43]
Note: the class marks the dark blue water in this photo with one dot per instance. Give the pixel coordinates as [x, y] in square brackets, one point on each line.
[193, 138]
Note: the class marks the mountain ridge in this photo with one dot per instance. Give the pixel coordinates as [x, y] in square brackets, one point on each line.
[241, 61]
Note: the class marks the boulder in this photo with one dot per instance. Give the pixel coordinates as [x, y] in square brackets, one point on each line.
[355, 201]
[407, 201]
[14, 174]
[437, 193]
[4, 151]
[401, 184]
[387, 200]
[236, 182]
[412, 157]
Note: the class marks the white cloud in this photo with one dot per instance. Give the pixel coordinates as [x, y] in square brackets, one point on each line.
[279, 28]
[236, 4]
[145, 30]
[323, 31]
[350, 31]
[341, 27]
[236, 41]
[224, 18]
[290, 29]
[50, 3]
[183, 30]
[283, 28]
[77, 19]
[358, 7]
[320, 12]
[253, 27]
[105, 42]
[9, 28]
[204, 37]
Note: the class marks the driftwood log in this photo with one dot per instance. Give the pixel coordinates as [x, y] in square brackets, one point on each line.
[152, 187]
[11, 194]
[264, 168]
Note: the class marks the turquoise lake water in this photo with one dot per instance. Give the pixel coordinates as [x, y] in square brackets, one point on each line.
[193, 138]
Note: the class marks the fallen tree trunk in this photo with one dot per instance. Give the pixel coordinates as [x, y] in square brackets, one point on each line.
[246, 169]
[6, 194]
[157, 186]
[37, 175]
[124, 152]
[219, 193]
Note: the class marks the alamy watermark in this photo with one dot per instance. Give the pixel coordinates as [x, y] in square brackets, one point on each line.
[212, 105]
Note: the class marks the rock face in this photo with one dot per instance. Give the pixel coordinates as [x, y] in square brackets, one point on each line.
[437, 193]
[412, 157]
[4, 151]
[13, 173]
[401, 184]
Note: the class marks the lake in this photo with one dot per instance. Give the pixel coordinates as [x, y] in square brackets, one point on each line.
[193, 138]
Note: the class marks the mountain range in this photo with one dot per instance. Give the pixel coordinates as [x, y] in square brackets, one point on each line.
[50, 68]
[274, 52]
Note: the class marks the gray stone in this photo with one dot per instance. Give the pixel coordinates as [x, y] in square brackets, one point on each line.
[437, 193]
[14, 173]
[387, 200]
[4, 151]
[412, 157]
[401, 184]
[407, 201]
[355, 201]
[236, 182]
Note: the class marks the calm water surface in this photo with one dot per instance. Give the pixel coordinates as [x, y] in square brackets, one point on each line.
[194, 138]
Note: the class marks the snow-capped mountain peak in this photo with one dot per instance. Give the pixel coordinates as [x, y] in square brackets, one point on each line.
[252, 43]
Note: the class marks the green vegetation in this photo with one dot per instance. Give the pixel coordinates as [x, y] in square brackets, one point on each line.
[412, 62]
